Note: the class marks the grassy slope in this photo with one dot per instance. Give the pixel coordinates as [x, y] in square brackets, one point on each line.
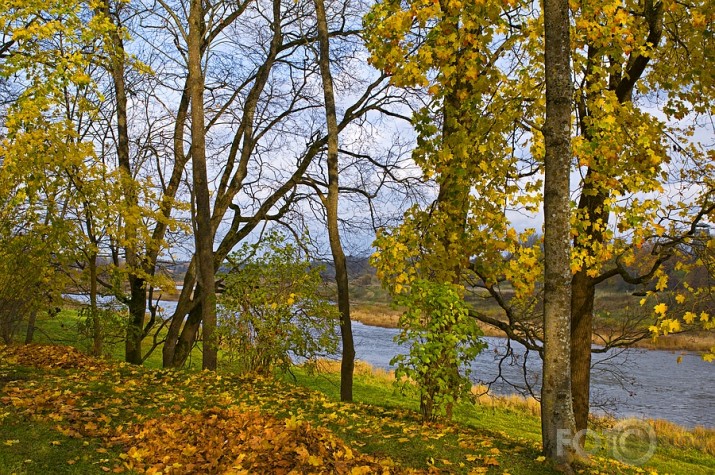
[65, 413]
[35, 435]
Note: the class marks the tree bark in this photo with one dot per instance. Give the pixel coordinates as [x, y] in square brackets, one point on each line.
[582, 299]
[202, 230]
[557, 418]
[96, 322]
[30, 333]
[331, 207]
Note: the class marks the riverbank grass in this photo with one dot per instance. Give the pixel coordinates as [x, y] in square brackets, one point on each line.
[677, 450]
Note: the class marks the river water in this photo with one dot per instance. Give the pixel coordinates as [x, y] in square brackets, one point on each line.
[638, 383]
[631, 383]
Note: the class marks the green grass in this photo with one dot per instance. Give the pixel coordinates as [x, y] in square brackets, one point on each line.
[36, 447]
[517, 430]
[63, 329]
[493, 436]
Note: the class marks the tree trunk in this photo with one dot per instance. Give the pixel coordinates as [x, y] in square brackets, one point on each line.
[137, 314]
[96, 322]
[592, 205]
[331, 206]
[557, 418]
[202, 230]
[30, 334]
[183, 307]
[188, 336]
[137, 290]
[582, 298]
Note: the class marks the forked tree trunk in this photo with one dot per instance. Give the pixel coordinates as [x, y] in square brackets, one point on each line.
[331, 206]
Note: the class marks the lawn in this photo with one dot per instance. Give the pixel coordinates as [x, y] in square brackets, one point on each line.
[64, 412]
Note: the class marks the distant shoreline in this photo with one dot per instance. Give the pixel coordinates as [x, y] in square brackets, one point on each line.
[385, 316]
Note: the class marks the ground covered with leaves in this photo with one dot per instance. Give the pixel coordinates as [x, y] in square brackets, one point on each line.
[64, 412]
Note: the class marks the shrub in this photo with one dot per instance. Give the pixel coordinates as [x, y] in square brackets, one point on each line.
[271, 309]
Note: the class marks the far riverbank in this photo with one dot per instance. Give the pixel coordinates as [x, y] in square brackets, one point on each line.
[384, 315]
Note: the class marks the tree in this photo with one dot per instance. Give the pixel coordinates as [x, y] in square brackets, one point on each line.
[42, 153]
[331, 206]
[557, 418]
[268, 139]
[443, 340]
[643, 180]
[203, 231]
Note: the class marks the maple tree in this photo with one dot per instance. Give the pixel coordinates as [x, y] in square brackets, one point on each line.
[42, 153]
[459, 53]
[644, 180]
[443, 340]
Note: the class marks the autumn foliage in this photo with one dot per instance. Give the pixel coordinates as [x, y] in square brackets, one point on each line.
[242, 441]
[158, 430]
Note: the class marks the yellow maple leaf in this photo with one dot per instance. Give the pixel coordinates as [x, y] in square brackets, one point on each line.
[689, 317]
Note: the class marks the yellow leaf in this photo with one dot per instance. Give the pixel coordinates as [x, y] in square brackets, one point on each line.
[689, 317]
[361, 470]
[662, 282]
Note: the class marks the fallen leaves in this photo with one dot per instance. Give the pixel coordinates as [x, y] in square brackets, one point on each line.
[50, 356]
[238, 440]
[161, 421]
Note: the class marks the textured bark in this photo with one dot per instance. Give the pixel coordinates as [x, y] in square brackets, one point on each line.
[188, 337]
[331, 206]
[582, 297]
[96, 322]
[583, 294]
[30, 333]
[202, 202]
[557, 419]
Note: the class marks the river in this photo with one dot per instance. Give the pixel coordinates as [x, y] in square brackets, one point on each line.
[624, 383]
[639, 383]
